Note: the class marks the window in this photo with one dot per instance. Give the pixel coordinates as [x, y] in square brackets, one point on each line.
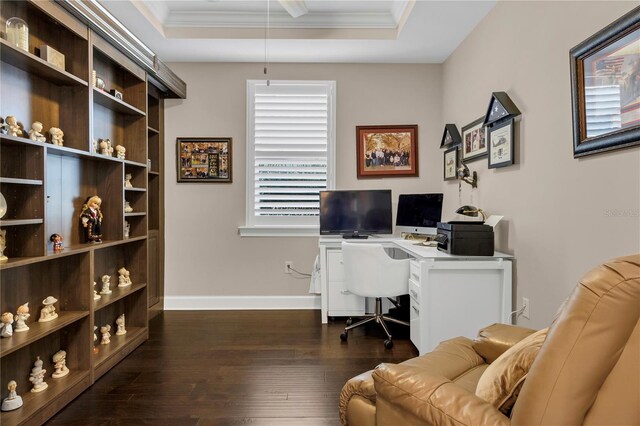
[290, 155]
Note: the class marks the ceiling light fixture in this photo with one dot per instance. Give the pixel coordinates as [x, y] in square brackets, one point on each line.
[295, 8]
[266, 45]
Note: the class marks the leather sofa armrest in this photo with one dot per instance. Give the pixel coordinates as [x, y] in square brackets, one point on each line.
[432, 399]
[361, 385]
[494, 340]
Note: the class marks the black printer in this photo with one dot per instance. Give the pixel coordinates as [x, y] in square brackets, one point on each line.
[465, 238]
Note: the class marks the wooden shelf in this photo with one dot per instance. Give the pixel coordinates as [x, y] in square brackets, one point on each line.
[111, 102]
[153, 131]
[135, 189]
[135, 163]
[20, 222]
[135, 214]
[117, 294]
[118, 343]
[18, 181]
[19, 140]
[38, 330]
[151, 172]
[34, 65]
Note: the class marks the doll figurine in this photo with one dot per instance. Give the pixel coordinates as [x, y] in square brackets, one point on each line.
[48, 312]
[35, 134]
[127, 207]
[56, 239]
[6, 329]
[123, 277]
[106, 336]
[127, 229]
[127, 180]
[120, 323]
[21, 318]
[96, 296]
[56, 136]
[13, 128]
[120, 152]
[106, 281]
[91, 217]
[4, 127]
[13, 401]
[37, 376]
[105, 147]
[3, 245]
[60, 364]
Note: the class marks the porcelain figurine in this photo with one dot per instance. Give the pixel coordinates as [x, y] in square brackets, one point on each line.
[4, 127]
[60, 364]
[37, 376]
[106, 336]
[95, 335]
[13, 401]
[124, 279]
[35, 134]
[91, 217]
[96, 296]
[127, 180]
[127, 229]
[22, 315]
[3, 245]
[120, 323]
[105, 147]
[6, 329]
[106, 281]
[48, 312]
[13, 128]
[56, 239]
[57, 136]
[127, 207]
[120, 152]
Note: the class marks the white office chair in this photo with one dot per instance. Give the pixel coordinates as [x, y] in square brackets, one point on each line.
[370, 272]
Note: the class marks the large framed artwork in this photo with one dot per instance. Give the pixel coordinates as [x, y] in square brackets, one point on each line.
[605, 88]
[204, 159]
[474, 140]
[387, 151]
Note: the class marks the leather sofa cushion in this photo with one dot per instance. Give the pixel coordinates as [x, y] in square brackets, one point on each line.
[495, 339]
[501, 382]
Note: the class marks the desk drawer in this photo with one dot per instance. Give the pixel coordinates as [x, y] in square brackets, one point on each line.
[342, 302]
[414, 323]
[414, 290]
[414, 270]
[335, 267]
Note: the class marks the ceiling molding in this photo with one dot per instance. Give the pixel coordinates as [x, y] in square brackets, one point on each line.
[281, 33]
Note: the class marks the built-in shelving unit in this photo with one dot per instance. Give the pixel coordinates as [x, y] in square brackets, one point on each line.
[45, 187]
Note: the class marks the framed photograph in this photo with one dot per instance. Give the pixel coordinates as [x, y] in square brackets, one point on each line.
[474, 140]
[501, 140]
[605, 88]
[387, 151]
[451, 163]
[204, 159]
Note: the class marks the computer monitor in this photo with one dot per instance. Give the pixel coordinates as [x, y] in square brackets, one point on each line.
[355, 213]
[419, 213]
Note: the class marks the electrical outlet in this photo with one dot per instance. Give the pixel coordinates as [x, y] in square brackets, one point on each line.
[525, 306]
[287, 267]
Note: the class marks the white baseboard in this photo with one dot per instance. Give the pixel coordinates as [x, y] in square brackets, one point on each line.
[230, 303]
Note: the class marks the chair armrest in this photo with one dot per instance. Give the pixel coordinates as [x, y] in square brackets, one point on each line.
[361, 385]
[432, 399]
[494, 340]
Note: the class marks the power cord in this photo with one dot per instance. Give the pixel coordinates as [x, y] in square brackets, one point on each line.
[517, 312]
[303, 274]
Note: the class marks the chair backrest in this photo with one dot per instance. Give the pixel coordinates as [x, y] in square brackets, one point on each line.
[370, 272]
[588, 369]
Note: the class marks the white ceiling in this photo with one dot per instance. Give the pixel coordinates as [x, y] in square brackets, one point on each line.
[364, 31]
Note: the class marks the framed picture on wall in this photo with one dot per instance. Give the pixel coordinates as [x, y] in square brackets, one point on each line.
[451, 163]
[474, 140]
[387, 151]
[501, 141]
[204, 159]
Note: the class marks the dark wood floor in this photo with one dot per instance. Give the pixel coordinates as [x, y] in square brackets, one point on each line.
[234, 368]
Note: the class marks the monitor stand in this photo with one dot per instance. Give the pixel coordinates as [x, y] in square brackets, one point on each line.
[355, 236]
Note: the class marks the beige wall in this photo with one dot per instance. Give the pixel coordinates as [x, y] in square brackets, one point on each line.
[562, 213]
[205, 256]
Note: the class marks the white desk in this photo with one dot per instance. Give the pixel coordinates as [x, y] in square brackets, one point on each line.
[450, 295]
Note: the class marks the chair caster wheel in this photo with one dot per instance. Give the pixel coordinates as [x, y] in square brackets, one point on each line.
[349, 322]
[343, 336]
[388, 344]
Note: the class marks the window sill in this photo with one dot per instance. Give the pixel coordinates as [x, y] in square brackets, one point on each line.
[279, 231]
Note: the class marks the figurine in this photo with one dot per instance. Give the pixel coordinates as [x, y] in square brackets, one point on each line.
[105, 147]
[120, 323]
[48, 313]
[127, 207]
[13, 128]
[91, 217]
[56, 239]
[60, 364]
[106, 280]
[94, 146]
[21, 318]
[3, 245]
[127, 180]
[127, 229]
[6, 330]
[123, 279]
[13, 401]
[95, 336]
[105, 329]
[37, 377]
[35, 134]
[56, 136]
[4, 127]
[120, 152]
[96, 296]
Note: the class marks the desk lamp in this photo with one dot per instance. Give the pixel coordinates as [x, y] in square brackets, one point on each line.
[471, 211]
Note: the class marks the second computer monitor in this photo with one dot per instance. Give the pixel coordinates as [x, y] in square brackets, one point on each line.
[419, 213]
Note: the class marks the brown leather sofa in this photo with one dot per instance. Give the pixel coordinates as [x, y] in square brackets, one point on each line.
[586, 372]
